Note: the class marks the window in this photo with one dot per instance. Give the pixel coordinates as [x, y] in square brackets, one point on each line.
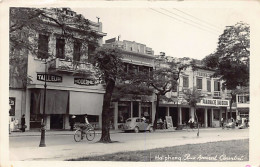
[77, 49]
[185, 82]
[60, 48]
[216, 86]
[208, 85]
[43, 46]
[199, 83]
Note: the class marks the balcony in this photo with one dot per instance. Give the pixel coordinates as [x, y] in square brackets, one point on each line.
[71, 67]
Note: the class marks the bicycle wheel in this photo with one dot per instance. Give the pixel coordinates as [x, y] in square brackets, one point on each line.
[77, 135]
[90, 135]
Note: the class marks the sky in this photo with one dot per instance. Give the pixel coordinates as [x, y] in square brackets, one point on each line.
[179, 32]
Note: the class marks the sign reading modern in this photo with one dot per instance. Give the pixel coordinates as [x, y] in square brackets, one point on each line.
[84, 81]
[214, 102]
[49, 78]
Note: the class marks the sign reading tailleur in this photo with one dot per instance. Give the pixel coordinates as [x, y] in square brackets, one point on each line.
[49, 78]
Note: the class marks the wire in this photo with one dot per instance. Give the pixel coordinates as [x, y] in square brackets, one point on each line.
[183, 21]
[216, 30]
[205, 22]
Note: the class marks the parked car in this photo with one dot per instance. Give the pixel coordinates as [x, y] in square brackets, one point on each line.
[137, 124]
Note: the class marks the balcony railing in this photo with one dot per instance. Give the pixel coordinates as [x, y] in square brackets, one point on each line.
[61, 65]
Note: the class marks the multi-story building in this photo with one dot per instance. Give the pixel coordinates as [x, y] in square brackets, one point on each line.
[70, 90]
[136, 57]
[213, 103]
[242, 104]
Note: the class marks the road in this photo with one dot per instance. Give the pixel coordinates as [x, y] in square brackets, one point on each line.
[62, 147]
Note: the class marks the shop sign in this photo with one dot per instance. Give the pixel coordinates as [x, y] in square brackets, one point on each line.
[49, 78]
[86, 82]
[203, 74]
[168, 120]
[11, 106]
[214, 102]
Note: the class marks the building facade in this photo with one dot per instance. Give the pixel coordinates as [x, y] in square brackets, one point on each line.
[70, 89]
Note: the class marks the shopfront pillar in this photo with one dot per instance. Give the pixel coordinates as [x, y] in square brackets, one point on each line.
[212, 117]
[115, 115]
[192, 110]
[167, 111]
[100, 121]
[180, 115]
[66, 121]
[153, 110]
[139, 109]
[205, 118]
[27, 108]
[48, 122]
[132, 107]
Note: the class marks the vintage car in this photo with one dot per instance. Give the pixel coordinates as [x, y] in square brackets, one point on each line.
[137, 124]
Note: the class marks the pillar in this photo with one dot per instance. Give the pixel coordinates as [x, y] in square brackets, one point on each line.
[100, 121]
[180, 115]
[115, 115]
[192, 110]
[132, 109]
[66, 121]
[167, 111]
[27, 108]
[205, 118]
[153, 110]
[212, 117]
[139, 109]
[48, 122]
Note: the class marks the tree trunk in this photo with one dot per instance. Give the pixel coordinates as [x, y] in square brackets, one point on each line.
[105, 136]
[197, 120]
[156, 112]
[231, 102]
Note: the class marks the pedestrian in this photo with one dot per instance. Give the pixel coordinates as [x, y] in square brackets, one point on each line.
[222, 122]
[191, 122]
[23, 123]
[72, 122]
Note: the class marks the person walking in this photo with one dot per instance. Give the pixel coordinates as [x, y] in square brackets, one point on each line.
[191, 122]
[23, 123]
[222, 122]
[72, 122]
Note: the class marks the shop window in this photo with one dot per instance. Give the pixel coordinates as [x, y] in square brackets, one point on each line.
[77, 50]
[43, 46]
[11, 106]
[185, 82]
[208, 85]
[216, 86]
[199, 83]
[60, 48]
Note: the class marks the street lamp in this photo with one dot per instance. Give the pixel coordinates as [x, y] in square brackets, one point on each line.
[42, 142]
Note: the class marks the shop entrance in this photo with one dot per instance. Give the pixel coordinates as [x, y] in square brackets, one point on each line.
[174, 115]
[162, 113]
[200, 114]
[56, 121]
[209, 117]
[185, 115]
[135, 109]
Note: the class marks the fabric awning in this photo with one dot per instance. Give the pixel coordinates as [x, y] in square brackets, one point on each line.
[56, 101]
[85, 103]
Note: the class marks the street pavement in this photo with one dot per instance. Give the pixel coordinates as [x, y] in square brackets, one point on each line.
[60, 145]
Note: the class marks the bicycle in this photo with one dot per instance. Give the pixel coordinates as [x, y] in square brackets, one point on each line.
[84, 130]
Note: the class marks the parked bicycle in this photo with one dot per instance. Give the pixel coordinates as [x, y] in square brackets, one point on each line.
[84, 130]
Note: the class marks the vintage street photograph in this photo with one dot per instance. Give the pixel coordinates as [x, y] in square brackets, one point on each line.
[129, 84]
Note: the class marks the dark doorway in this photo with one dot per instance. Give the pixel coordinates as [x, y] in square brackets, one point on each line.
[162, 113]
[209, 117]
[135, 109]
[185, 115]
[56, 121]
[174, 115]
[200, 114]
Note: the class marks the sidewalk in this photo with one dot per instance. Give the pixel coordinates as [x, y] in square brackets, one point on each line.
[68, 132]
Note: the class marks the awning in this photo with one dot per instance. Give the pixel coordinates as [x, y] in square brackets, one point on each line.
[85, 103]
[56, 101]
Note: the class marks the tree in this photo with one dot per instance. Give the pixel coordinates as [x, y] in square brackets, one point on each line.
[231, 59]
[163, 80]
[110, 65]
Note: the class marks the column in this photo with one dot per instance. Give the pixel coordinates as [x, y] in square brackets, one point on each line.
[48, 122]
[115, 115]
[205, 118]
[167, 111]
[180, 115]
[192, 110]
[131, 109]
[212, 116]
[153, 110]
[139, 109]
[27, 108]
[100, 121]
[66, 121]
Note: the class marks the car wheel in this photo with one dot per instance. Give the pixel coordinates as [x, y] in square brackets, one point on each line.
[151, 129]
[136, 129]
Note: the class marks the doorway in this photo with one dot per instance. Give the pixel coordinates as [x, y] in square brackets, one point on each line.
[174, 115]
[56, 121]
